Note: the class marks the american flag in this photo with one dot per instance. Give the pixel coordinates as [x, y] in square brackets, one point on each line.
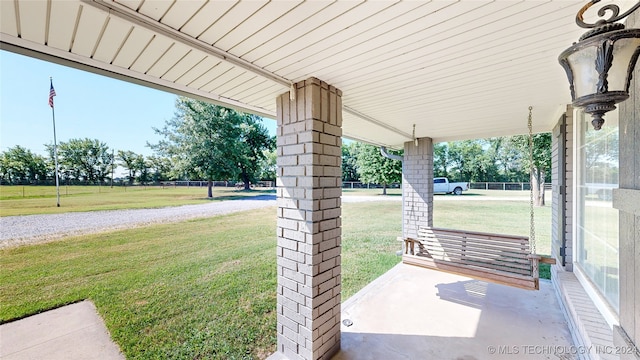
[52, 93]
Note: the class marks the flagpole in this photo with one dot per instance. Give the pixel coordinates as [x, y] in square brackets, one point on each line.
[55, 143]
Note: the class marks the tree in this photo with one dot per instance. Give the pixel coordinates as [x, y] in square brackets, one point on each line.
[210, 142]
[541, 162]
[142, 165]
[508, 160]
[132, 162]
[490, 167]
[249, 150]
[20, 164]
[268, 165]
[441, 160]
[159, 167]
[377, 169]
[86, 159]
[492, 159]
[349, 159]
[468, 159]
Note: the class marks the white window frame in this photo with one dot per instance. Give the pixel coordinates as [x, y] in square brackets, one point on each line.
[607, 311]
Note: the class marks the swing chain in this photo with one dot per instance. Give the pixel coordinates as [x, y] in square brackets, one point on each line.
[532, 231]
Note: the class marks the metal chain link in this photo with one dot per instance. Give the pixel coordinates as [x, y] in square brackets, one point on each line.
[532, 231]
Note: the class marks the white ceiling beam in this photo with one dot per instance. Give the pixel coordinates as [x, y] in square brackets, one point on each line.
[127, 14]
[377, 122]
[46, 53]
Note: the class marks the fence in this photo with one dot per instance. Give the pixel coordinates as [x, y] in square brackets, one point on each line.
[198, 183]
[500, 186]
[359, 185]
[504, 186]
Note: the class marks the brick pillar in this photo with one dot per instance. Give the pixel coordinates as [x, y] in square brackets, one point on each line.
[417, 186]
[309, 224]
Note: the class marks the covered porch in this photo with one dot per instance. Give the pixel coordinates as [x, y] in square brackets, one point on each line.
[394, 74]
[416, 313]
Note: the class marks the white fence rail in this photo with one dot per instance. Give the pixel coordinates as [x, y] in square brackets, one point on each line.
[504, 186]
[203, 183]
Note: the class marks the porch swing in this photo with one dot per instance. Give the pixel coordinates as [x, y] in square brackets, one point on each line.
[503, 259]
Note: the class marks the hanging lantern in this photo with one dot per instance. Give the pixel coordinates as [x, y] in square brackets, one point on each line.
[599, 66]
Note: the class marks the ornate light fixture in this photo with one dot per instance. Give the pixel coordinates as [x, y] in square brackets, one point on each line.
[600, 65]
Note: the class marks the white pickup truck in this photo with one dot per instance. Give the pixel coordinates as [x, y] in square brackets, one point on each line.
[441, 185]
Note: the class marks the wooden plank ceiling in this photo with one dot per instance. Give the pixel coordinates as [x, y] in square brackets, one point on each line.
[457, 69]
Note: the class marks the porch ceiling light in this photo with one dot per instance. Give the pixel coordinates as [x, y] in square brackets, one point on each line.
[599, 66]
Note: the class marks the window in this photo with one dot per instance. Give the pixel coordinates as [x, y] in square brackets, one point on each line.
[438, 181]
[597, 220]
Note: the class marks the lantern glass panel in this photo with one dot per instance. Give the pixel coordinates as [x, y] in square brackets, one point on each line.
[623, 50]
[585, 77]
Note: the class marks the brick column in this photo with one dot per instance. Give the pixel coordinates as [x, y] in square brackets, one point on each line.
[417, 186]
[309, 225]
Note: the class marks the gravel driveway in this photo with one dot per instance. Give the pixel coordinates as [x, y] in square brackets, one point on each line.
[18, 230]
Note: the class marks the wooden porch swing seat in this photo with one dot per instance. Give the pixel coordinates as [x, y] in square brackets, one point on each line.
[502, 259]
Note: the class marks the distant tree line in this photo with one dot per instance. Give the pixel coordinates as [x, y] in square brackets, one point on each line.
[88, 161]
[210, 142]
[93, 165]
[499, 159]
[202, 142]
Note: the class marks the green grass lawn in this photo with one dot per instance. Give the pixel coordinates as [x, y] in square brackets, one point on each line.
[197, 289]
[206, 288]
[28, 200]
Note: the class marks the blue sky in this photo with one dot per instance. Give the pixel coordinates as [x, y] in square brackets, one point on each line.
[91, 106]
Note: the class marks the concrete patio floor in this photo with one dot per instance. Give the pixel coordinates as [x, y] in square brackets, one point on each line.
[416, 313]
[407, 313]
[72, 332]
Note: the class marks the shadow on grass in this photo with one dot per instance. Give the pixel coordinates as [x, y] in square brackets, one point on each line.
[364, 192]
[380, 194]
[245, 195]
[463, 195]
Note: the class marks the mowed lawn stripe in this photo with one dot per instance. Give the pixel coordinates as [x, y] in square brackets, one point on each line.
[94, 198]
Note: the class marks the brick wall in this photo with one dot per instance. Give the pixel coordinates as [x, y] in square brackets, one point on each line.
[417, 186]
[309, 224]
